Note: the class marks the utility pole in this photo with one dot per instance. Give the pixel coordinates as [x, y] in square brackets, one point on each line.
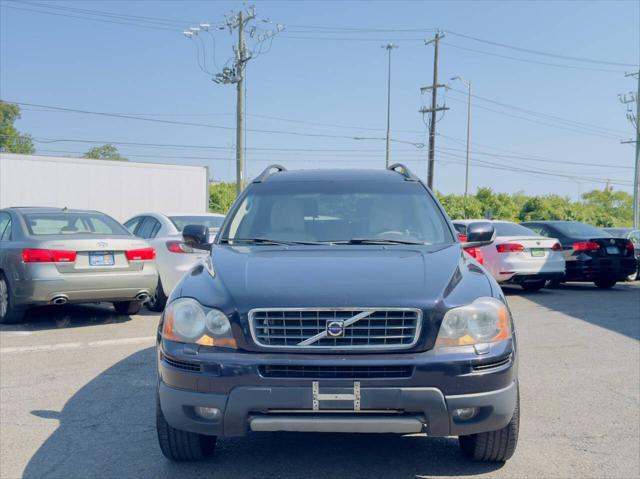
[388, 47]
[235, 73]
[433, 109]
[468, 85]
[635, 121]
[240, 54]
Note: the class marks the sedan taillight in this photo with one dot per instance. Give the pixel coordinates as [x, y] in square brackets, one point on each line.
[509, 248]
[629, 246]
[586, 246]
[48, 256]
[556, 247]
[143, 254]
[179, 247]
[476, 253]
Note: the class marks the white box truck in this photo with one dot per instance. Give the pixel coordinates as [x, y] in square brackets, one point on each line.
[120, 189]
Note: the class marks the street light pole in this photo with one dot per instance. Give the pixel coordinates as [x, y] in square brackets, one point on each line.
[388, 47]
[468, 85]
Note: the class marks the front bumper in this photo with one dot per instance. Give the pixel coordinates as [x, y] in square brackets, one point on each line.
[411, 410]
[247, 399]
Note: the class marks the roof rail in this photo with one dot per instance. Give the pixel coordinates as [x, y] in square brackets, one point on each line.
[266, 173]
[404, 171]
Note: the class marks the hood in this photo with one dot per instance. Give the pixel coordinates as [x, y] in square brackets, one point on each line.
[336, 276]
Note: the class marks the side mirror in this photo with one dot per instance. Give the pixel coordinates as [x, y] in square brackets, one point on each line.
[480, 233]
[196, 236]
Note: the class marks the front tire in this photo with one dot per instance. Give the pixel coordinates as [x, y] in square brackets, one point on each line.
[127, 307]
[159, 300]
[533, 285]
[9, 312]
[493, 446]
[605, 283]
[181, 446]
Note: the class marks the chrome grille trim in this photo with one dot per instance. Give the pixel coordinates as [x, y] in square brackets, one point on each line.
[382, 328]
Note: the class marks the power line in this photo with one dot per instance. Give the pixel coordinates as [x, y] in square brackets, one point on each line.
[539, 114]
[538, 52]
[139, 25]
[206, 125]
[543, 123]
[535, 62]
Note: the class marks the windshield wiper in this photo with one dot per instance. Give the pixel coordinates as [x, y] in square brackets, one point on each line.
[376, 241]
[266, 241]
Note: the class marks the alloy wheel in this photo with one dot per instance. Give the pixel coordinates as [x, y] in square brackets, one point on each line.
[4, 298]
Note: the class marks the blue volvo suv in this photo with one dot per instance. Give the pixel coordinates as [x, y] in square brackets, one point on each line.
[338, 301]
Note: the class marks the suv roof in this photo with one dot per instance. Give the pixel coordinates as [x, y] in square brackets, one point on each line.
[335, 174]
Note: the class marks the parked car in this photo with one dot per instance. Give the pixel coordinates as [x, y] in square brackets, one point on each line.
[519, 255]
[59, 256]
[634, 236]
[174, 255]
[338, 301]
[590, 253]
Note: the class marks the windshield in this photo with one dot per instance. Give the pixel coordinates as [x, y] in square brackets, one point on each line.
[209, 221]
[573, 229]
[41, 224]
[341, 211]
[512, 229]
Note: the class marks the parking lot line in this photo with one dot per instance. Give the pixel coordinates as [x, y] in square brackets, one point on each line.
[63, 346]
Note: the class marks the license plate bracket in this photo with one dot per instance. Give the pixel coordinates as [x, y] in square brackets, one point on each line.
[317, 396]
[101, 259]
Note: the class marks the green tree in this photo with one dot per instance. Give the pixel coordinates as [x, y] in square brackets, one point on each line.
[11, 140]
[104, 152]
[221, 197]
[459, 207]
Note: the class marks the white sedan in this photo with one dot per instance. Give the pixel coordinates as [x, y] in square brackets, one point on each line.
[518, 255]
[174, 257]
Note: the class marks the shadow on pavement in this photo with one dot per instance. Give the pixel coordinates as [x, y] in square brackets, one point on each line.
[107, 429]
[67, 316]
[586, 302]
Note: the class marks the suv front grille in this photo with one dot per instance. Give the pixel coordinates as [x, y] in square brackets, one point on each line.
[329, 328]
[339, 372]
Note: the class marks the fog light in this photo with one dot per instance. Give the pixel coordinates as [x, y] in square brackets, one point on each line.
[209, 413]
[465, 413]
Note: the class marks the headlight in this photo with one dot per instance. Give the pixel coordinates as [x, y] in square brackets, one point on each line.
[187, 321]
[486, 320]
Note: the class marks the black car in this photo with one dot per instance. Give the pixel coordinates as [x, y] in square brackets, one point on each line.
[590, 253]
[338, 301]
[634, 236]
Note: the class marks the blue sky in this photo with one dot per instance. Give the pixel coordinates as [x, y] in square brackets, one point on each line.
[326, 75]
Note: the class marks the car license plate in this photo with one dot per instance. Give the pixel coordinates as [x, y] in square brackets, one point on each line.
[537, 252]
[613, 250]
[101, 259]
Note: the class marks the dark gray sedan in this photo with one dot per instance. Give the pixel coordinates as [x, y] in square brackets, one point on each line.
[58, 256]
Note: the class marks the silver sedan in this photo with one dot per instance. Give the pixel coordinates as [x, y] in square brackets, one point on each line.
[58, 256]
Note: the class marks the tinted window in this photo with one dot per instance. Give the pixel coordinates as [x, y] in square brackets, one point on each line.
[132, 224]
[209, 221]
[460, 228]
[42, 224]
[149, 227]
[339, 211]
[512, 229]
[5, 227]
[573, 229]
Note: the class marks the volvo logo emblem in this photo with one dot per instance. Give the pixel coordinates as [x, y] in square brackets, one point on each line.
[335, 329]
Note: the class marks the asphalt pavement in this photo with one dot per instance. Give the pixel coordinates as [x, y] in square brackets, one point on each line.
[77, 396]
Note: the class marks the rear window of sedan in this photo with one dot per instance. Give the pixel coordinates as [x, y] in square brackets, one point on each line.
[209, 221]
[512, 229]
[44, 224]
